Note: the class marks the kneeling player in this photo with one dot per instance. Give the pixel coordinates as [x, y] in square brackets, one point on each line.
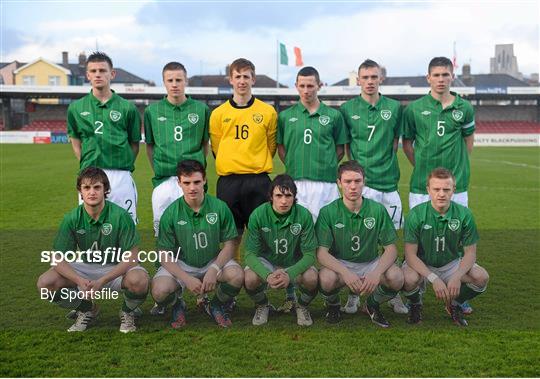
[280, 248]
[350, 231]
[440, 246]
[192, 228]
[96, 227]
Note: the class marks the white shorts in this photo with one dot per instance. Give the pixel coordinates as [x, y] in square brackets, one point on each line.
[461, 198]
[162, 196]
[197, 272]
[390, 200]
[315, 195]
[273, 267]
[123, 191]
[361, 269]
[92, 271]
[445, 272]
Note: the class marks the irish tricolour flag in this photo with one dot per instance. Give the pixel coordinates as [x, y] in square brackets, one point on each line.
[284, 55]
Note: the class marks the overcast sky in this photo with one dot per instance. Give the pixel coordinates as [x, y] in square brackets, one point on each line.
[335, 36]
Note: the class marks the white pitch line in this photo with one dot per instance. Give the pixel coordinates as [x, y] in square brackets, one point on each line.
[509, 163]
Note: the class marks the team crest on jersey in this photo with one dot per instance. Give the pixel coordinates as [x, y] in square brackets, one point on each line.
[182, 222]
[386, 114]
[115, 115]
[369, 222]
[453, 224]
[339, 225]
[296, 229]
[85, 113]
[265, 229]
[258, 118]
[324, 120]
[162, 118]
[457, 114]
[211, 218]
[106, 229]
[355, 117]
[193, 118]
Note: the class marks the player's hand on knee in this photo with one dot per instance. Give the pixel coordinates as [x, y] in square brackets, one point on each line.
[371, 281]
[283, 279]
[96, 285]
[454, 284]
[209, 281]
[441, 292]
[84, 284]
[353, 281]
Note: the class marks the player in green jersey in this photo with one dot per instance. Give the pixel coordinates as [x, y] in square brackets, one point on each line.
[374, 125]
[98, 244]
[311, 138]
[105, 131]
[280, 249]
[191, 232]
[175, 129]
[441, 126]
[440, 246]
[350, 231]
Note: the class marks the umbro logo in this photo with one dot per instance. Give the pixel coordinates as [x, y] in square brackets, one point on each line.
[339, 225]
[85, 113]
[265, 229]
[182, 222]
[426, 226]
[162, 118]
[426, 113]
[293, 119]
[81, 231]
[227, 120]
[355, 117]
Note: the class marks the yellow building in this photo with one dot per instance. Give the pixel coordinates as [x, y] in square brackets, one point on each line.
[41, 72]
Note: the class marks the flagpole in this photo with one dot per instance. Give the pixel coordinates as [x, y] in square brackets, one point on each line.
[277, 63]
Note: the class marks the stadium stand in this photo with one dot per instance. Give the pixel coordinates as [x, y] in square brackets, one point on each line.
[525, 127]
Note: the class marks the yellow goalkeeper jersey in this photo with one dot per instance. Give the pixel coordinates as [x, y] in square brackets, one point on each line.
[243, 138]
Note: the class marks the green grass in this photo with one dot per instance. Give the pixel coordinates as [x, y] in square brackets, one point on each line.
[37, 188]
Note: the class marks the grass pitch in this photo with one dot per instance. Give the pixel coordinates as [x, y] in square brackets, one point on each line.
[37, 188]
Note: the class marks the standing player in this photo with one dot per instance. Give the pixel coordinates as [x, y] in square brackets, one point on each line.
[192, 229]
[175, 129]
[441, 126]
[243, 139]
[311, 138]
[350, 231]
[374, 125]
[96, 227]
[440, 246]
[280, 249]
[105, 131]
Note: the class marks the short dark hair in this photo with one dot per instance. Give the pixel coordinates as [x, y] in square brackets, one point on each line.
[309, 71]
[99, 56]
[173, 66]
[350, 166]
[440, 62]
[188, 167]
[368, 63]
[94, 175]
[241, 64]
[441, 173]
[284, 183]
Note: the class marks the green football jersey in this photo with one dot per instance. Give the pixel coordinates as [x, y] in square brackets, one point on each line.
[197, 234]
[440, 238]
[286, 241]
[105, 130]
[177, 132]
[355, 237]
[438, 136]
[310, 141]
[113, 229]
[372, 130]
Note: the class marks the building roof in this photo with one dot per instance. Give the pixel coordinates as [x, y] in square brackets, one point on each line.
[492, 81]
[261, 81]
[58, 66]
[122, 76]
